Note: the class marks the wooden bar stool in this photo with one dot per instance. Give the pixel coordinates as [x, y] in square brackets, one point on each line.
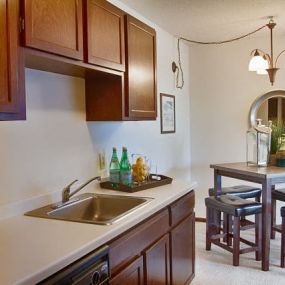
[242, 191]
[235, 207]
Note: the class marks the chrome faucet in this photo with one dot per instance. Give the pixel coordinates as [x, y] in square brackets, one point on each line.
[66, 194]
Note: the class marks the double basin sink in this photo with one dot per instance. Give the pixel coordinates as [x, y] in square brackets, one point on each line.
[92, 208]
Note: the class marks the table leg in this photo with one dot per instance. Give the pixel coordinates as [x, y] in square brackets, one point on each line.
[273, 215]
[266, 223]
[217, 183]
[218, 191]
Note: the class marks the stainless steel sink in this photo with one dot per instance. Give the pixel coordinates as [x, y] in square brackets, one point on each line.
[92, 208]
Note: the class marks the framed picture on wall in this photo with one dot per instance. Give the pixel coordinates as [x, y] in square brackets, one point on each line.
[167, 113]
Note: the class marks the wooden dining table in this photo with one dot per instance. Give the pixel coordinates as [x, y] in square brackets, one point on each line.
[268, 177]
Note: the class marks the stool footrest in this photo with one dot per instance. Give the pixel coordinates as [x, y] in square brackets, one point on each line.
[222, 245]
[248, 249]
[277, 228]
[246, 224]
[230, 249]
[245, 241]
[218, 236]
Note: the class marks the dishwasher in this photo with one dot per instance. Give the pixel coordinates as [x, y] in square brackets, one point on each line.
[92, 269]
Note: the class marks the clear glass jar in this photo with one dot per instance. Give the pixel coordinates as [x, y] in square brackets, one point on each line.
[140, 167]
[258, 144]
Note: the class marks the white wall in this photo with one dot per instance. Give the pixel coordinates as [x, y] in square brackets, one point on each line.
[56, 145]
[222, 91]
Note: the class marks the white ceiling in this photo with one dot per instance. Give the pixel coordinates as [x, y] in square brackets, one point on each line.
[212, 20]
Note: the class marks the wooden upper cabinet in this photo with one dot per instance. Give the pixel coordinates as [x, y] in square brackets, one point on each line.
[54, 26]
[12, 93]
[104, 33]
[135, 97]
[140, 79]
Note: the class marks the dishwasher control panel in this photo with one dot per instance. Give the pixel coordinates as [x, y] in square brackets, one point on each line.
[92, 269]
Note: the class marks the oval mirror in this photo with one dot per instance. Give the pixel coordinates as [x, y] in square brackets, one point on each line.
[269, 106]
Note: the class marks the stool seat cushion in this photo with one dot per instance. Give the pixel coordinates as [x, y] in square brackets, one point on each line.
[242, 191]
[279, 194]
[282, 211]
[233, 205]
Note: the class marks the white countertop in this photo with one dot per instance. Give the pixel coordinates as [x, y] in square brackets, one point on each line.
[32, 249]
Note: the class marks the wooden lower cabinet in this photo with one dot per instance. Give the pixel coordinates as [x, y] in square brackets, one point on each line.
[131, 275]
[160, 250]
[157, 263]
[183, 251]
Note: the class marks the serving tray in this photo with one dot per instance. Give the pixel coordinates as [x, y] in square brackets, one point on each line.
[154, 180]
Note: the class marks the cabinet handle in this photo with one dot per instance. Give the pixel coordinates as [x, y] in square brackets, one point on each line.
[22, 24]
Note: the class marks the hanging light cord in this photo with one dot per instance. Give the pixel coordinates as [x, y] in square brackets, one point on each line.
[180, 86]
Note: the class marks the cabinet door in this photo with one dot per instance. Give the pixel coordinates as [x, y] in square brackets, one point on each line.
[183, 251]
[54, 26]
[12, 92]
[131, 275]
[157, 263]
[140, 79]
[104, 28]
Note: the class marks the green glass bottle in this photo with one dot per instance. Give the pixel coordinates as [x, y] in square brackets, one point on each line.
[114, 167]
[125, 168]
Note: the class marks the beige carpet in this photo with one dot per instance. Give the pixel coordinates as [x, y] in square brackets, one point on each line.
[215, 266]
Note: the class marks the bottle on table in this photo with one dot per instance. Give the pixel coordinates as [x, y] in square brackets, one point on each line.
[125, 168]
[114, 167]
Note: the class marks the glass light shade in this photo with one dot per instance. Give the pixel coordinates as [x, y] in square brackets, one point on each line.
[261, 72]
[257, 63]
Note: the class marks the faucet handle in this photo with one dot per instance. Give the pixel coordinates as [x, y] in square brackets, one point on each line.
[70, 184]
[66, 191]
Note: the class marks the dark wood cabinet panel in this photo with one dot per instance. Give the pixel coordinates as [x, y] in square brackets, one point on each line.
[104, 96]
[104, 33]
[131, 275]
[183, 251]
[12, 92]
[131, 244]
[54, 26]
[4, 52]
[157, 263]
[182, 208]
[140, 79]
